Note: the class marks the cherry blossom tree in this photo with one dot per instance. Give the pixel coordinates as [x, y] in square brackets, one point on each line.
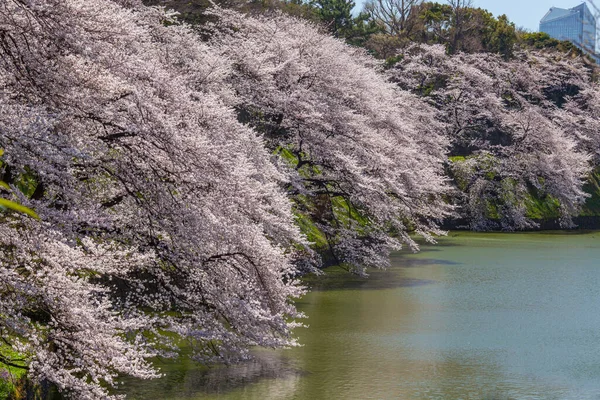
[161, 216]
[509, 147]
[364, 159]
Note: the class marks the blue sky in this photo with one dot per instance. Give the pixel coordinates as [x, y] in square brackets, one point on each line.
[524, 13]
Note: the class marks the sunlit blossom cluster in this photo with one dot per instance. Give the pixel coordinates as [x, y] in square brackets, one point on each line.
[519, 128]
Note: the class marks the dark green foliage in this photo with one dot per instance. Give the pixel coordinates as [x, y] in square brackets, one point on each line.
[465, 29]
[314, 213]
[26, 182]
[592, 187]
[541, 40]
[336, 14]
[311, 231]
[502, 38]
[337, 17]
[393, 60]
[435, 18]
[541, 206]
[11, 377]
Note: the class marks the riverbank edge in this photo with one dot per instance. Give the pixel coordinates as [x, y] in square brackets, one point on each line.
[581, 223]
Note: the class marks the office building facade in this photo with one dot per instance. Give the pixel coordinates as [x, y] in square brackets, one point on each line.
[576, 25]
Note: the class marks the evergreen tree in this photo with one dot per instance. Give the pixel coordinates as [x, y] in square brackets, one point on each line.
[338, 18]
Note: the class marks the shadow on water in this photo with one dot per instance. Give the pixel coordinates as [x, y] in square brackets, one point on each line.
[403, 262]
[370, 283]
[334, 278]
[337, 278]
[185, 379]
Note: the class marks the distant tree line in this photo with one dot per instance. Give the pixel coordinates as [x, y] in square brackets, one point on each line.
[384, 27]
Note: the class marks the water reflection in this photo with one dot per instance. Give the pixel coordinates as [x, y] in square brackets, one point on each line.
[488, 317]
[185, 379]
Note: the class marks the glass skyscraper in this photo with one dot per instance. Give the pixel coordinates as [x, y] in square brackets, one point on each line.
[576, 25]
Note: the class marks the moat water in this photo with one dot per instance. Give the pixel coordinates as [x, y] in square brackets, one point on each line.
[478, 316]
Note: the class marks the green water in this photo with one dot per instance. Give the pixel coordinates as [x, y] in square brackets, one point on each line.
[479, 316]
